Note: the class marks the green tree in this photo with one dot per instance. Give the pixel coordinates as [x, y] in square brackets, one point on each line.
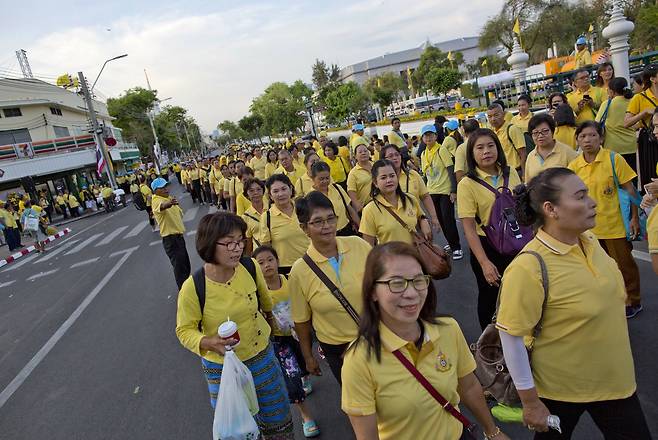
[433, 57]
[441, 80]
[345, 100]
[281, 107]
[251, 126]
[494, 64]
[645, 35]
[231, 129]
[129, 113]
[383, 89]
[319, 74]
[170, 125]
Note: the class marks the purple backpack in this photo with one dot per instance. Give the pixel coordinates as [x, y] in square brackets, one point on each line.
[503, 232]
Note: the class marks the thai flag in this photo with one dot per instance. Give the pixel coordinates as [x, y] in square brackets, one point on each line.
[100, 160]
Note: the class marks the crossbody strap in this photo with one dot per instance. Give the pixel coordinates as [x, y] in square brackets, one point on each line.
[445, 404]
[397, 217]
[335, 291]
[652, 103]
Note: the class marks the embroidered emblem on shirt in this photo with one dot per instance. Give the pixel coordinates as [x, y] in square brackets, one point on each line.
[442, 362]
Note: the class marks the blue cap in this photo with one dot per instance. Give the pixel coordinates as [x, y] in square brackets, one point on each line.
[158, 183]
[451, 124]
[428, 128]
[581, 40]
[357, 127]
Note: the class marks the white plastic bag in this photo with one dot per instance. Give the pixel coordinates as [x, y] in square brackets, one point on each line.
[236, 402]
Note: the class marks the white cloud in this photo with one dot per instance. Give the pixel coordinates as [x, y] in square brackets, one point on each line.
[215, 64]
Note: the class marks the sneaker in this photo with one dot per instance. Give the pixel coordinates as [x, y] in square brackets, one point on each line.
[458, 254]
[632, 311]
[447, 248]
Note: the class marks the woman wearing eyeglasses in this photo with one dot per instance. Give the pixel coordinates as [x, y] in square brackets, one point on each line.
[346, 214]
[548, 152]
[232, 292]
[384, 400]
[314, 307]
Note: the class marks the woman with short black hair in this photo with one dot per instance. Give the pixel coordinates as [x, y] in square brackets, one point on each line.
[348, 219]
[565, 125]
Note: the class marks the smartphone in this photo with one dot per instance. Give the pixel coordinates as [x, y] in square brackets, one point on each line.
[586, 97]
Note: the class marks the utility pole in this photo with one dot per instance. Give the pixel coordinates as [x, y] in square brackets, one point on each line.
[97, 129]
[156, 148]
[189, 144]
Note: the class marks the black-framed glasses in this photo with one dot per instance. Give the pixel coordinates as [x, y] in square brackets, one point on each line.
[234, 245]
[544, 132]
[330, 221]
[400, 284]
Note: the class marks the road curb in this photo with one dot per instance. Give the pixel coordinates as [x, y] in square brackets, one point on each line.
[31, 249]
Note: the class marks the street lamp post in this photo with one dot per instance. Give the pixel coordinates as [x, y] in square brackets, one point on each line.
[107, 61]
[309, 110]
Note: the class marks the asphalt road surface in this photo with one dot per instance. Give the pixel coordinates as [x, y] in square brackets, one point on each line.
[88, 350]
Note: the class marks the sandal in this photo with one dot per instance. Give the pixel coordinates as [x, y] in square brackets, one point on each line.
[310, 429]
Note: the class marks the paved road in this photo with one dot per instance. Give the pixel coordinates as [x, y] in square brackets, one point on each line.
[88, 350]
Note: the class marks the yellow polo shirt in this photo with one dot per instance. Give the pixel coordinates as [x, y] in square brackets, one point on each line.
[413, 184]
[60, 200]
[134, 188]
[450, 144]
[474, 200]
[303, 185]
[241, 204]
[522, 121]
[360, 181]
[583, 58]
[146, 192]
[460, 158]
[311, 300]
[339, 198]
[228, 184]
[515, 135]
[396, 139]
[236, 300]
[435, 168]
[292, 175]
[236, 187]
[617, 137]
[339, 167]
[258, 165]
[252, 219]
[560, 157]
[652, 231]
[216, 180]
[10, 220]
[583, 353]
[73, 201]
[600, 182]
[639, 103]
[169, 220]
[404, 409]
[270, 168]
[357, 140]
[299, 161]
[587, 113]
[185, 177]
[377, 222]
[194, 174]
[567, 135]
[343, 152]
[284, 234]
[281, 305]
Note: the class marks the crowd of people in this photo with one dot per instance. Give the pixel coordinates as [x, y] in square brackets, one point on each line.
[314, 243]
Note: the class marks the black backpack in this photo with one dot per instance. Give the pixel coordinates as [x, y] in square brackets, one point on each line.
[138, 201]
[199, 278]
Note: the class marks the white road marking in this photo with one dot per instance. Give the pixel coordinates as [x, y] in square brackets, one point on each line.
[193, 232]
[6, 394]
[82, 263]
[84, 244]
[137, 229]
[21, 262]
[61, 248]
[644, 256]
[212, 210]
[153, 243]
[41, 274]
[132, 249]
[108, 239]
[8, 283]
[190, 214]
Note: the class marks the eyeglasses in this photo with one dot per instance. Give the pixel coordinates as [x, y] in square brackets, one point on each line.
[544, 132]
[234, 245]
[329, 221]
[400, 284]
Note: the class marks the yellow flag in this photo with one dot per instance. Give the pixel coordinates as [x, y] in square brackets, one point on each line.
[411, 87]
[379, 82]
[591, 28]
[517, 27]
[450, 56]
[484, 62]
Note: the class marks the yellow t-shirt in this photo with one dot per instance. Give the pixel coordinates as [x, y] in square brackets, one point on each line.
[339, 198]
[146, 192]
[506, 133]
[252, 219]
[359, 181]
[107, 192]
[599, 180]
[216, 178]
[475, 200]
[60, 200]
[377, 222]
[258, 165]
[404, 409]
[460, 158]
[639, 103]
[567, 135]
[357, 140]
[228, 184]
[270, 168]
[311, 299]
[413, 184]
[450, 144]
[522, 121]
[169, 220]
[292, 175]
[284, 234]
[617, 137]
[10, 220]
[560, 157]
[303, 185]
[395, 139]
[238, 300]
[73, 201]
[583, 58]
[194, 174]
[587, 113]
[281, 305]
[241, 204]
[583, 353]
[339, 168]
[435, 167]
[343, 152]
[652, 231]
[134, 188]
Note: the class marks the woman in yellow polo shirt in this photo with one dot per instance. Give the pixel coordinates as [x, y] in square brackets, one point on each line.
[411, 183]
[279, 226]
[611, 116]
[314, 307]
[581, 359]
[234, 289]
[595, 168]
[565, 125]
[340, 167]
[304, 184]
[399, 316]
[486, 160]
[522, 118]
[348, 219]
[377, 223]
[359, 180]
[548, 152]
[253, 191]
[272, 163]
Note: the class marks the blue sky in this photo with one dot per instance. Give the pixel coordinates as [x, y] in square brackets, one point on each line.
[214, 57]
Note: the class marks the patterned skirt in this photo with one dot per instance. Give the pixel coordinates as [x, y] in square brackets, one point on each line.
[274, 418]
